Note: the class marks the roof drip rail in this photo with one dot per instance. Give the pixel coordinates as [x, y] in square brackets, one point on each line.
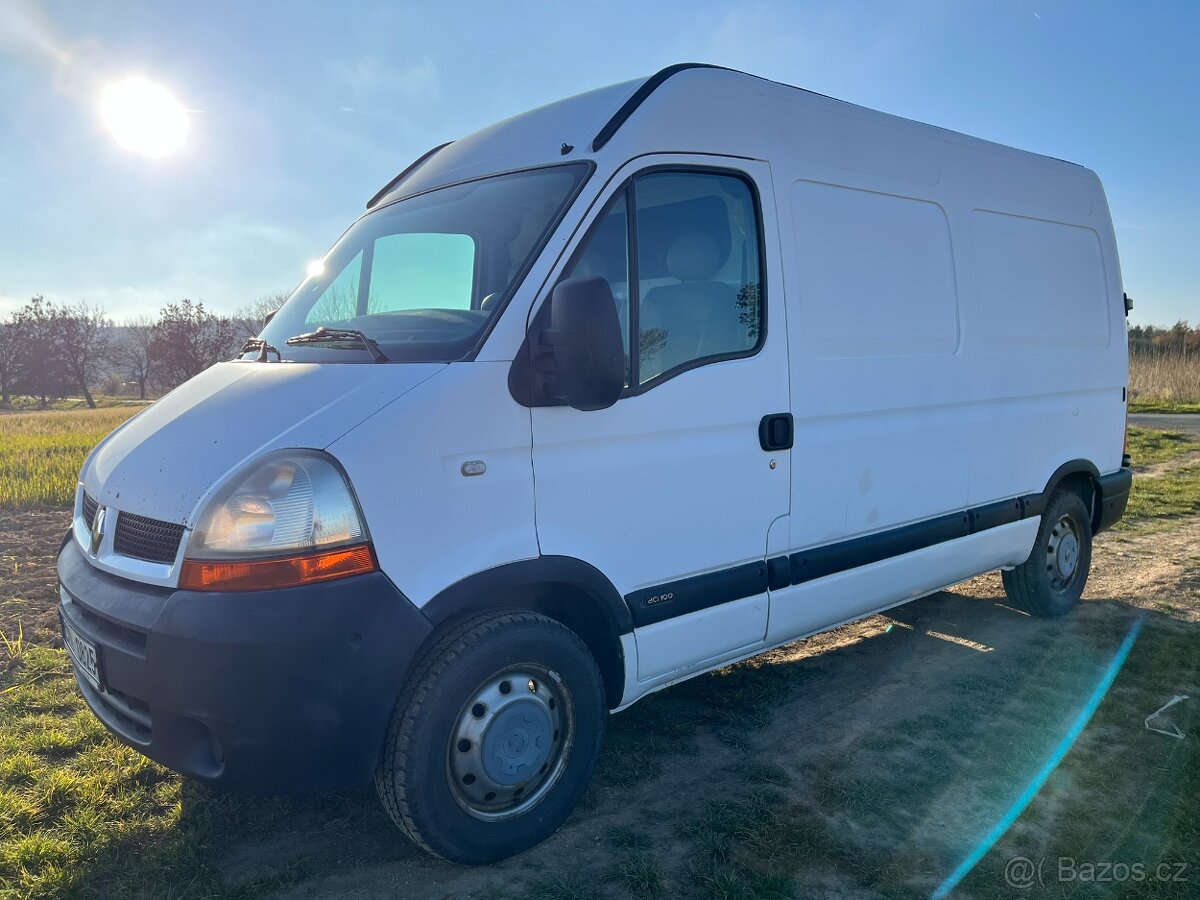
[648, 87]
[412, 167]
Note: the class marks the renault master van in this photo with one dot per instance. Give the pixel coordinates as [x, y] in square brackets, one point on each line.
[604, 396]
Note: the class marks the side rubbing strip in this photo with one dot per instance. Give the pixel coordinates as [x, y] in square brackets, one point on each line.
[1033, 505]
[688, 595]
[698, 592]
[822, 561]
[779, 572]
[412, 167]
[630, 106]
[995, 514]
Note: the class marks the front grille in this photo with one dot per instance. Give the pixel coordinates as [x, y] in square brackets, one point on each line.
[148, 539]
[89, 509]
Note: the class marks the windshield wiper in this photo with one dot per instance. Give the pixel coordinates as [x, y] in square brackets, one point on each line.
[325, 335]
[263, 349]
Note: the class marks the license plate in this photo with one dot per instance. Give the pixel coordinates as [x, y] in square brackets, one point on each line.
[83, 654]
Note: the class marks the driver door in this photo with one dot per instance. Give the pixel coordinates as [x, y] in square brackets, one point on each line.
[670, 492]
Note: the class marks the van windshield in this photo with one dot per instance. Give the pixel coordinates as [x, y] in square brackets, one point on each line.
[422, 277]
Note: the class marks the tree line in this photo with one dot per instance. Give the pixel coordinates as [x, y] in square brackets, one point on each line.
[49, 351]
[1180, 339]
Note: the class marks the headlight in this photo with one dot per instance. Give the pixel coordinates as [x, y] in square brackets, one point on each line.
[290, 519]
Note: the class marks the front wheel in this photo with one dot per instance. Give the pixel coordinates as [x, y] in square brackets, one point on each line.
[1051, 581]
[494, 737]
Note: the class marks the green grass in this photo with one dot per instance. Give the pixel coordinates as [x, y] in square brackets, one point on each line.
[1124, 793]
[570, 886]
[754, 846]
[1153, 500]
[1152, 406]
[1150, 445]
[103, 401]
[67, 790]
[41, 453]
[896, 814]
[640, 874]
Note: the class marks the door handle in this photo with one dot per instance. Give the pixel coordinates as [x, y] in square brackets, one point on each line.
[775, 432]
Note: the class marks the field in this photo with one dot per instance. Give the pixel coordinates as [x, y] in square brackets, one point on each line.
[1164, 383]
[41, 452]
[870, 761]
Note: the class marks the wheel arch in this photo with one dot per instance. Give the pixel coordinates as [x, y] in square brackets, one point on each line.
[1082, 476]
[563, 588]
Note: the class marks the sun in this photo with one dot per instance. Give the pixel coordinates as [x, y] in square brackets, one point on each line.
[143, 117]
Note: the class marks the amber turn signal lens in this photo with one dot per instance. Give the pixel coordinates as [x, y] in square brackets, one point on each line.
[285, 571]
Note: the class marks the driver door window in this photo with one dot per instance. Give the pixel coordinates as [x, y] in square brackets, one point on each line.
[692, 291]
[698, 272]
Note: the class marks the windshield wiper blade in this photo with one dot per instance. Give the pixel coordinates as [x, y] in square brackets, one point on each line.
[325, 335]
[263, 349]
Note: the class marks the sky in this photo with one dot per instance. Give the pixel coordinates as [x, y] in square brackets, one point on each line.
[299, 111]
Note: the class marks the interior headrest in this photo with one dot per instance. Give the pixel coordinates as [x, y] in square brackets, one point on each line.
[694, 256]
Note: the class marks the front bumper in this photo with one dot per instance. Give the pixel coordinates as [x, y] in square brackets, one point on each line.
[262, 691]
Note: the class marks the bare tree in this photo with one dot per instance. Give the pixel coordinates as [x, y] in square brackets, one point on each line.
[134, 352]
[251, 319]
[42, 372]
[187, 340]
[338, 303]
[83, 334]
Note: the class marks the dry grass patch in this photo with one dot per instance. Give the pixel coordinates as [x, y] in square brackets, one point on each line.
[1168, 382]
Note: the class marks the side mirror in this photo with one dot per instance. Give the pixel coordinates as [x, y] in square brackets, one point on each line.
[585, 342]
[268, 317]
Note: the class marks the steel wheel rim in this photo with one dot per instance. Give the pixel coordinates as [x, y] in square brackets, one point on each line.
[1062, 553]
[510, 742]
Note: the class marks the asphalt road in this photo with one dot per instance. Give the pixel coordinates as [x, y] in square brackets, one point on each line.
[1188, 424]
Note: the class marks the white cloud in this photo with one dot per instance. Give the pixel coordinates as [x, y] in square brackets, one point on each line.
[370, 80]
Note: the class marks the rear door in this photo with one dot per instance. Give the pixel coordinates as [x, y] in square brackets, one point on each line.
[670, 492]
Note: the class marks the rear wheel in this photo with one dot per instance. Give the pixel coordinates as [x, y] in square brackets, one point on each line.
[494, 737]
[1051, 581]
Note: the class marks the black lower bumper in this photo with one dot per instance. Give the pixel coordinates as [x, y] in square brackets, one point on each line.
[1114, 497]
[263, 691]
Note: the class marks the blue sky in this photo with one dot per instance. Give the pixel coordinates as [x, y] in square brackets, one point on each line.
[300, 111]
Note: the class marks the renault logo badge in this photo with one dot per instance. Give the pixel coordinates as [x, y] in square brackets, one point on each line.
[98, 530]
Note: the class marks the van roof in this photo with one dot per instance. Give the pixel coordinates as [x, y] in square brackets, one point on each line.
[688, 97]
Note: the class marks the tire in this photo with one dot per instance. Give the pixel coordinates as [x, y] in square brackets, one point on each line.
[1051, 581]
[494, 737]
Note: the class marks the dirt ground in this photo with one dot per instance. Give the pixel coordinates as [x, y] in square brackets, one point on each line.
[825, 718]
[29, 541]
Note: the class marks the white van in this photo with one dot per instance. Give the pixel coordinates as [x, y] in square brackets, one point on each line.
[601, 397]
